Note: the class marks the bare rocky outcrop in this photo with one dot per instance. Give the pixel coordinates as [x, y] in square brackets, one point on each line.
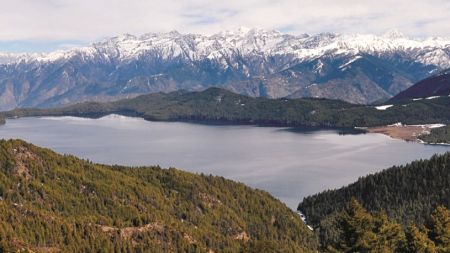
[128, 232]
[243, 236]
[22, 157]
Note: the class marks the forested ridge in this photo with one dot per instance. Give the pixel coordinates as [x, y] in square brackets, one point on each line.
[52, 202]
[218, 105]
[408, 194]
[358, 230]
[437, 135]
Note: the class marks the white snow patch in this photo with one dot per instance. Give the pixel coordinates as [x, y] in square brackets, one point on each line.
[398, 124]
[435, 125]
[425, 126]
[433, 97]
[302, 216]
[383, 107]
[64, 118]
[311, 85]
[343, 66]
[319, 66]
[114, 117]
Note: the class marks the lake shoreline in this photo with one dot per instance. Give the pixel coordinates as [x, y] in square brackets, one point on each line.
[410, 133]
[204, 121]
[249, 154]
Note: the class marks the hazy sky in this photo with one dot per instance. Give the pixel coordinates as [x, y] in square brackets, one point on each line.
[43, 25]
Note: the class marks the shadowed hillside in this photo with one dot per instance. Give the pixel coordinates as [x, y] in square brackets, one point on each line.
[437, 85]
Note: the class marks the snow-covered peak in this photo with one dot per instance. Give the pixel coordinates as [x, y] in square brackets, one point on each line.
[394, 34]
[9, 57]
[253, 41]
[244, 30]
[124, 37]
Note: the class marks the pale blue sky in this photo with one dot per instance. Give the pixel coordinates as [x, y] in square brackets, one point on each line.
[45, 25]
[33, 46]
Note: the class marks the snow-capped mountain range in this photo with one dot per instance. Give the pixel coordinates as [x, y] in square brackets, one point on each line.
[358, 68]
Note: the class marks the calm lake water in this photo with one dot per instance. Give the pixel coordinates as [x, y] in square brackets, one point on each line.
[288, 164]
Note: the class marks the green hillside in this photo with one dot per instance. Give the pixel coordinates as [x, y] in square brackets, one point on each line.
[358, 230]
[437, 135]
[217, 105]
[51, 203]
[408, 194]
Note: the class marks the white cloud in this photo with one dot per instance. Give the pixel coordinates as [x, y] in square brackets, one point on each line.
[89, 20]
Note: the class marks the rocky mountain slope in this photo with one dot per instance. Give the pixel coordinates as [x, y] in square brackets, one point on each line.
[356, 68]
[436, 85]
[59, 203]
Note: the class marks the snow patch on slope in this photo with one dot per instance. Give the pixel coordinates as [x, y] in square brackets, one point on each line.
[345, 65]
[383, 107]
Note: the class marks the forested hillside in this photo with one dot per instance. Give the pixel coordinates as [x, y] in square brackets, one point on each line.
[361, 231]
[437, 135]
[219, 105]
[51, 203]
[408, 194]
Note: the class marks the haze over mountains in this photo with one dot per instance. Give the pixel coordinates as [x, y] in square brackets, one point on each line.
[355, 68]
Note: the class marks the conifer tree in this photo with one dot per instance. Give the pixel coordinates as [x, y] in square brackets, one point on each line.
[441, 229]
[418, 241]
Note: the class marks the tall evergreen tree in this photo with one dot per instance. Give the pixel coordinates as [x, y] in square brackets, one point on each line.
[441, 229]
[361, 231]
[418, 241]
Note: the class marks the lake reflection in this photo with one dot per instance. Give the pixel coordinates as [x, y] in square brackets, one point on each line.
[288, 164]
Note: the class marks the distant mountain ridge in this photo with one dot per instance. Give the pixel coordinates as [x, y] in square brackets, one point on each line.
[356, 68]
[436, 85]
